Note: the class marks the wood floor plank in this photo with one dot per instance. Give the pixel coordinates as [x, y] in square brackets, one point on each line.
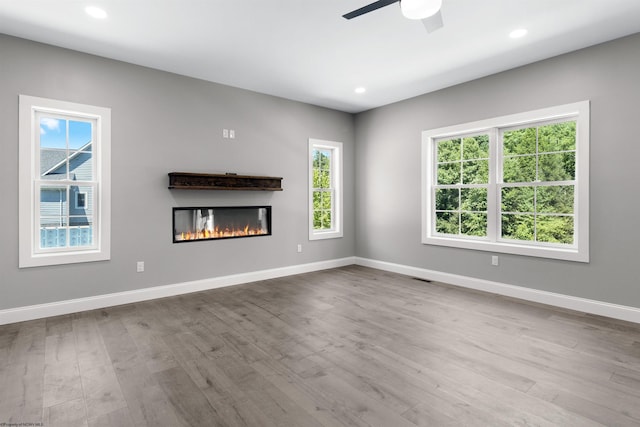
[118, 343]
[298, 391]
[101, 390]
[59, 325]
[29, 343]
[190, 405]
[348, 402]
[70, 413]
[117, 418]
[351, 346]
[147, 403]
[21, 392]
[598, 411]
[60, 348]
[90, 348]
[229, 400]
[62, 383]
[148, 339]
[21, 398]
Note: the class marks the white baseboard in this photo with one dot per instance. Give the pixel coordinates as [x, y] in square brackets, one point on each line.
[39, 311]
[615, 311]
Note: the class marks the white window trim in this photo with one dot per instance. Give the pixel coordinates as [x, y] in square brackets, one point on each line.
[77, 195]
[577, 252]
[336, 174]
[29, 255]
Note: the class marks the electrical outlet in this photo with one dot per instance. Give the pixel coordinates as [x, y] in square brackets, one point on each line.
[225, 133]
[494, 260]
[140, 266]
[299, 248]
[232, 134]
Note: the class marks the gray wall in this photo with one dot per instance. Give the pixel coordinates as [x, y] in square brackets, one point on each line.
[388, 171]
[163, 122]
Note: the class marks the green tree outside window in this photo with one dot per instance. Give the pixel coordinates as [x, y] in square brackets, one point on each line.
[322, 190]
[462, 177]
[545, 157]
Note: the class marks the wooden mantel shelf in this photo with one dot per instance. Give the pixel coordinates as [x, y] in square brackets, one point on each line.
[228, 181]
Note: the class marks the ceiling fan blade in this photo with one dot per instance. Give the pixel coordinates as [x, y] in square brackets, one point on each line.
[369, 8]
[433, 22]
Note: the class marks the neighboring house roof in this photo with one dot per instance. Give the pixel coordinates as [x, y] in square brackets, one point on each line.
[60, 176]
[52, 160]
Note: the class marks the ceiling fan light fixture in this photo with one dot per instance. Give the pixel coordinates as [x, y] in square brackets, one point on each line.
[95, 12]
[420, 9]
[516, 34]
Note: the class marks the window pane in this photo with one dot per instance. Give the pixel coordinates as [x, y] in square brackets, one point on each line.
[53, 133]
[321, 179]
[449, 173]
[53, 232]
[518, 227]
[447, 222]
[79, 135]
[326, 220]
[326, 200]
[65, 149]
[473, 199]
[321, 159]
[449, 150]
[521, 141]
[557, 167]
[326, 160]
[53, 148]
[518, 199]
[53, 163]
[325, 179]
[53, 201]
[475, 172]
[557, 137]
[473, 224]
[317, 200]
[317, 220]
[80, 166]
[554, 229]
[476, 147]
[316, 159]
[447, 199]
[556, 199]
[81, 201]
[78, 194]
[519, 169]
[80, 231]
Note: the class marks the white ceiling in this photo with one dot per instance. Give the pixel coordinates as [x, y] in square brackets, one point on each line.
[304, 50]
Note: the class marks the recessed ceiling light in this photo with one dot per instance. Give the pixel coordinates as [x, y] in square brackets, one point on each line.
[516, 34]
[95, 12]
[360, 90]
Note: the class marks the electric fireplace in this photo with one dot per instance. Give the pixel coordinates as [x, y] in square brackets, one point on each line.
[212, 223]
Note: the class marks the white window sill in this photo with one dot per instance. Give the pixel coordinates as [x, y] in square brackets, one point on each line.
[565, 254]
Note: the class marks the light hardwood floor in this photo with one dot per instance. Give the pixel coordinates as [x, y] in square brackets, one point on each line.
[346, 347]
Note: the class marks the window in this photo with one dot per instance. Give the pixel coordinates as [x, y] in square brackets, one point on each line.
[81, 200]
[325, 189]
[516, 184]
[64, 182]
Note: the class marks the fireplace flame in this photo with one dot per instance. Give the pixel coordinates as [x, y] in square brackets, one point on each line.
[219, 233]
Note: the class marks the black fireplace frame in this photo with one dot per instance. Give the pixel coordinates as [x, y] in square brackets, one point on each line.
[220, 208]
